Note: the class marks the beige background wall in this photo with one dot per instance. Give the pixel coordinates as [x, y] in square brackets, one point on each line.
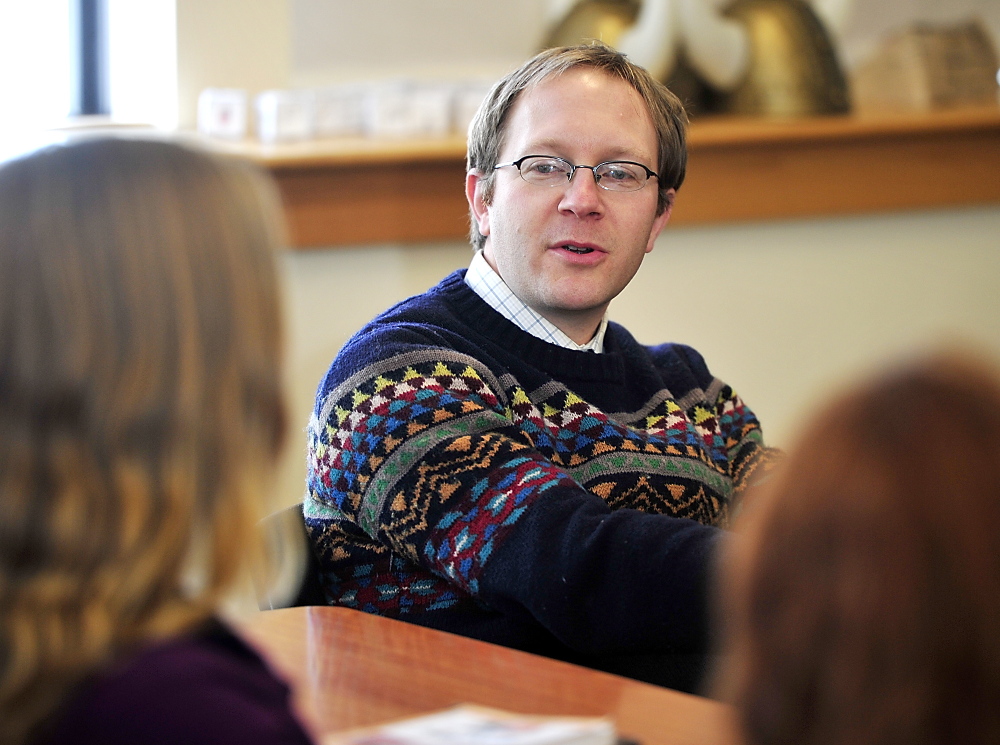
[784, 311]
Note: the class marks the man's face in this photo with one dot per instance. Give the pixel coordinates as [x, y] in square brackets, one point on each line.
[567, 250]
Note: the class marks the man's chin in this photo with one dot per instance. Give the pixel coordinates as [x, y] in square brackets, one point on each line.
[580, 303]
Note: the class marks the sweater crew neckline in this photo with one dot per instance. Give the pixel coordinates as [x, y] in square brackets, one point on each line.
[484, 321]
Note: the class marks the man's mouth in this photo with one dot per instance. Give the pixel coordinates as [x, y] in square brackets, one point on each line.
[580, 249]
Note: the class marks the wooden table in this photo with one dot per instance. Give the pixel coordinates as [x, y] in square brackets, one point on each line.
[351, 669]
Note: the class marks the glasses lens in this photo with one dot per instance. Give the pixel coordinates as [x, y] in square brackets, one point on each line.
[549, 171]
[621, 176]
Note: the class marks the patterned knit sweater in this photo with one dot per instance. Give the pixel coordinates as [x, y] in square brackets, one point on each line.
[465, 475]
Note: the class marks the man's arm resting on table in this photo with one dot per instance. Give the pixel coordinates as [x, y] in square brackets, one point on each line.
[606, 581]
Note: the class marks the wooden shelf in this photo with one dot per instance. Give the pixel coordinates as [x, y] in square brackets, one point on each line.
[738, 170]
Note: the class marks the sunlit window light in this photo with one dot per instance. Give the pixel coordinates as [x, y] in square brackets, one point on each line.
[142, 41]
[39, 60]
[35, 68]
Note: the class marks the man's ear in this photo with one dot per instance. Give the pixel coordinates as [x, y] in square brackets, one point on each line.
[660, 222]
[475, 185]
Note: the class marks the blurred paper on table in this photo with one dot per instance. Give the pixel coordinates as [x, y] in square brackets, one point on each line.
[474, 725]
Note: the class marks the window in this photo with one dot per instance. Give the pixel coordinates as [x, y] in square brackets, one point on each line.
[35, 66]
[142, 51]
[40, 68]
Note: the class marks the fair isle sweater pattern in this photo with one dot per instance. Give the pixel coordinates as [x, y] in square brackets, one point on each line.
[422, 461]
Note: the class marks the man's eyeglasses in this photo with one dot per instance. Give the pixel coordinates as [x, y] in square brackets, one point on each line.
[613, 175]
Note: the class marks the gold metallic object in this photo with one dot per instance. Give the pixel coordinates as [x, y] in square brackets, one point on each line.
[604, 20]
[793, 69]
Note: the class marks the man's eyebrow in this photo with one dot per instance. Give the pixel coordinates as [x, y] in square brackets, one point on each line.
[558, 148]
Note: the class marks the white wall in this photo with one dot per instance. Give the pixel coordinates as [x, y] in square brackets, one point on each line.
[230, 44]
[784, 311]
[435, 39]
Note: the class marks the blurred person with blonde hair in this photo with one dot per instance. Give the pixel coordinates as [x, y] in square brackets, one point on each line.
[140, 417]
[862, 591]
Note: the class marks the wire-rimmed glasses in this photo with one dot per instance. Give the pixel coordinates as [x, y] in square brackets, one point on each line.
[612, 175]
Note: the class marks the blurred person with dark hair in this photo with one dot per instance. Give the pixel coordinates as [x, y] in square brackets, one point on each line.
[862, 594]
[141, 415]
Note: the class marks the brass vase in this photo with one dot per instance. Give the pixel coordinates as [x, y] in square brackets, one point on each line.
[792, 71]
[793, 68]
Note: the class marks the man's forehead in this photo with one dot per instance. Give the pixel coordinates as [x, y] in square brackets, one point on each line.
[537, 116]
[577, 81]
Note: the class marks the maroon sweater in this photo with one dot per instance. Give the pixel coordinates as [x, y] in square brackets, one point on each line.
[207, 687]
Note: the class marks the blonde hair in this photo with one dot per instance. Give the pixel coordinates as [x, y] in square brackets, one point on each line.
[140, 402]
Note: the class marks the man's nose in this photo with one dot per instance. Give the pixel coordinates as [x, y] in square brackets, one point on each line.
[582, 195]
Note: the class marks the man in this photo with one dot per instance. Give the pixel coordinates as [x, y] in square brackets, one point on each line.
[495, 458]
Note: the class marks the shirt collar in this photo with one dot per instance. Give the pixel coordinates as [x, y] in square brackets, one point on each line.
[494, 291]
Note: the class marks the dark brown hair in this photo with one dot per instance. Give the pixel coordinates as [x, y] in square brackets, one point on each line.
[863, 589]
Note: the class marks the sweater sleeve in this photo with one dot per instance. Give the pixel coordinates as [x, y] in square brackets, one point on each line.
[732, 432]
[418, 455]
[607, 581]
